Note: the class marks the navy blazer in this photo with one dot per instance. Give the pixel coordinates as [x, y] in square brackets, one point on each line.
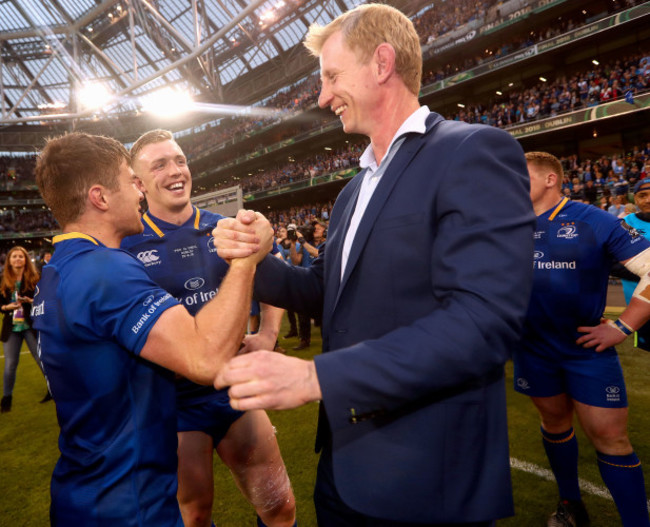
[420, 325]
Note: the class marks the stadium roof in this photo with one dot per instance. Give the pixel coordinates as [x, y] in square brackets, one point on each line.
[221, 51]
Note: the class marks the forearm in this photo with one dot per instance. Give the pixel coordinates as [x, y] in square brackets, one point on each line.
[313, 251]
[271, 320]
[221, 324]
[636, 314]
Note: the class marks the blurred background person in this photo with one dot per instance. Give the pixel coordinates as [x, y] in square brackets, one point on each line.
[19, 278]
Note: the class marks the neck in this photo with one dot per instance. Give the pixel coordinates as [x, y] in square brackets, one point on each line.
[173, 216]
[99, 231]
[392, 115]
[547, 202]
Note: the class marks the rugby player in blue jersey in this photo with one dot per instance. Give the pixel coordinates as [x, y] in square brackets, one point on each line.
[177, 250]
[567, 363]
[110, 340]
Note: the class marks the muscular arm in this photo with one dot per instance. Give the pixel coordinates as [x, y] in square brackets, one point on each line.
[635, 315]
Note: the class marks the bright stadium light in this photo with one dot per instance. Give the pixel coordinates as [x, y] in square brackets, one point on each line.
[168, 102]
[93, 96]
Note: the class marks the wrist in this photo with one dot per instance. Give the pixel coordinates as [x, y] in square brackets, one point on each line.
[315, 393]
[243, 265]
[621, 326]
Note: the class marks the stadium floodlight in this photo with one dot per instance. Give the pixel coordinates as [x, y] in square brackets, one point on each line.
[499, 92]
[93, 96]
[460, 105]
[595, 62]
[168, 102]
[543, 79]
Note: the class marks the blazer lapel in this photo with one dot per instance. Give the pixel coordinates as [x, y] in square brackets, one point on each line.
[335, 241]
[394, 171]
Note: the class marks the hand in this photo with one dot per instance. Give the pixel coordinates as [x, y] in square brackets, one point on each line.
[602, 336]
[11, 306]
[265, 379]
[258, 341]
[264, 232]
[236, 237]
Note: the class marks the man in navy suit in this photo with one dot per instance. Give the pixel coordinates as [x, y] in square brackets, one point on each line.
[423, 286]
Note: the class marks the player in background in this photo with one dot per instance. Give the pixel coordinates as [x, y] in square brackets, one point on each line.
[177, 250]
[567, 363]
[640, 222]
[109, 340]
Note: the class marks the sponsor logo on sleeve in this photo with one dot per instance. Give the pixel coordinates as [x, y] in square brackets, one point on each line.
[152, 306]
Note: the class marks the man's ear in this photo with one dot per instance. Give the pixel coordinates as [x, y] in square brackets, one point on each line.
[384, 59]
[97, 197]
[139, 185]
[551, 179]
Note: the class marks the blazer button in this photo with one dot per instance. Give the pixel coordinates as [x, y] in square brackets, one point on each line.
[340, 331]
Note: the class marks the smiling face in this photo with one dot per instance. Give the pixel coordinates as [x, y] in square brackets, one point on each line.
[346, 85]
[164, 177]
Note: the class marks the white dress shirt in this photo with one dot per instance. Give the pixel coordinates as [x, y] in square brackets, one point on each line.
[416, 123]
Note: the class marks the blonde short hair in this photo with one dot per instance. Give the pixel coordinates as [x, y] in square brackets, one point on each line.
[367, 26]
[149, 138]
[547, 161]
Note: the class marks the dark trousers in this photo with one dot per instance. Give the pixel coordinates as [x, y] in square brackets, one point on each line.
[331, 511]
[304, 327]
[291, 316]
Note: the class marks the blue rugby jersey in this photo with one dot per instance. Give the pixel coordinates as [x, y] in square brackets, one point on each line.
[93, 309]
[182, 259]
[575, 246]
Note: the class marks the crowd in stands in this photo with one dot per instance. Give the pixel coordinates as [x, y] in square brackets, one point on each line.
[628, 76]
[16, 171]
[301, 215]
[305, 169]
[27, 221]
[433, 23]
[444, 17]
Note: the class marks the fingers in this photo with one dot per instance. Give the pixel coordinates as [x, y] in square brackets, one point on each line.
[246, 217]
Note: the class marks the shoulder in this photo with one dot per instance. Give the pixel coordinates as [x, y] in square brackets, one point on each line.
[209, 219]
[459, 141]
[101, 263]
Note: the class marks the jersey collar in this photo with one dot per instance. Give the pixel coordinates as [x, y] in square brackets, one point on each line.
[149, 220]
[559, 207]
[72, 235]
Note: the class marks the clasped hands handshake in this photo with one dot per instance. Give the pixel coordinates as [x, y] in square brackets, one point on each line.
[260, 379]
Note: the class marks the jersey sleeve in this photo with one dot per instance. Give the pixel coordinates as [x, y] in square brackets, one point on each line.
[623, 241]
[118, 301]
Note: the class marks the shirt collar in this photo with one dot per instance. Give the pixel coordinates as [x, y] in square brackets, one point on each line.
[414, 123]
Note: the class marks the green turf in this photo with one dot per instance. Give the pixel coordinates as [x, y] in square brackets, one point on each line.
[28, 452]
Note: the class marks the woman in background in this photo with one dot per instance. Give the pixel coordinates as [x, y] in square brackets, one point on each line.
[19, 279]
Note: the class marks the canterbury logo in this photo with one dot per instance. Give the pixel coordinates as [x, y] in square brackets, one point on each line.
[148, 256]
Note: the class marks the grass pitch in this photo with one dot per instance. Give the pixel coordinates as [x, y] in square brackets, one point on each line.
[28, 452]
